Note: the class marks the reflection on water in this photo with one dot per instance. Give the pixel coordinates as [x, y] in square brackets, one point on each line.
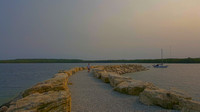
[185, 77]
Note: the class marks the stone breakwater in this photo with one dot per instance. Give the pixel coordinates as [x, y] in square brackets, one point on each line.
[52, 95]
[148, 93]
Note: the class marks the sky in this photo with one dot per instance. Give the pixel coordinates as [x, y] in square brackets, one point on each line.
[99, 29]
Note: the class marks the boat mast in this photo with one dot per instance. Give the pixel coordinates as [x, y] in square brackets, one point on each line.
[161, 56]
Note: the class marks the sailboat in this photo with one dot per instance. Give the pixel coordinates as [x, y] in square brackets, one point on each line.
[161, 65]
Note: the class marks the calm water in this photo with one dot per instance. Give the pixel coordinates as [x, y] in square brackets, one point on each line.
[185, 77]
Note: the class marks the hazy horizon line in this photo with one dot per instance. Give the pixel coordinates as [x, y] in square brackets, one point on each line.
[94, 59]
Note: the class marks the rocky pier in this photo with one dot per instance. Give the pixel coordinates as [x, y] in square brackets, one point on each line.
[53, 95]
[148, 93]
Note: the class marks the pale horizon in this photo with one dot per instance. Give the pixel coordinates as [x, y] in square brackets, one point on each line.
[99, 30]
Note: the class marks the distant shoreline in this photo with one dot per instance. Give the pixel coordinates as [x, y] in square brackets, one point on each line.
[168, 60]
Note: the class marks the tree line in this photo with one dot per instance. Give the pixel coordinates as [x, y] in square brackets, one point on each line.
[170, 60]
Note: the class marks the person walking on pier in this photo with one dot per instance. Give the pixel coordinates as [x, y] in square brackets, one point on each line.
[88, 67]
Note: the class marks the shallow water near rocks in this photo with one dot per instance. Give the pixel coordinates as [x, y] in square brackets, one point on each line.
[185, 77]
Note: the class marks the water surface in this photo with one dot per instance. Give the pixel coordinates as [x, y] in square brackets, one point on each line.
[185, 77]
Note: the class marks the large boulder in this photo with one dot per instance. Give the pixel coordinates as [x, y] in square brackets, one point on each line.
[163, 98]
[76, 69]
[98, 74]
[3, 109]
[97, 69]
[80, 68]
[54, 84]
[190, 106]
[116, 79]
[61, 75]
[133, 87]
[104, 77]
[43, 102]
[84, 68]
[69, 73]
[73, 71]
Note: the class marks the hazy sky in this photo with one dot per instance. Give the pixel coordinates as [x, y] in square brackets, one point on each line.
[99, 29]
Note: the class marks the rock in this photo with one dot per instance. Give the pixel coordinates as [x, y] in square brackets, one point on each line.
[61, 71]
[148, 93]
[98, 69]
[63, 75]
[42, 102]
[84, 68]
[3, 109]
[104, 77]
[52, 95]
[80, 68]
[190, 106]
[93, 67]
[122, 69]
[68, 73]
[55, 84]
[73, 70]
[97, 74]
[121, 84]
[164, 98]
[133, 87]
[116, 79]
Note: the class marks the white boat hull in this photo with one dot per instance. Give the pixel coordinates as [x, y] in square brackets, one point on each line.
[160, 66]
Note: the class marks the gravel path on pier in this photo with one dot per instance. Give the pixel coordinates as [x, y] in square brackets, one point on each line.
[90, 94]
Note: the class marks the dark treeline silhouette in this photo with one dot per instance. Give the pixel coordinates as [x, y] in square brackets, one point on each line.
[171, 60]
[42, 61]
